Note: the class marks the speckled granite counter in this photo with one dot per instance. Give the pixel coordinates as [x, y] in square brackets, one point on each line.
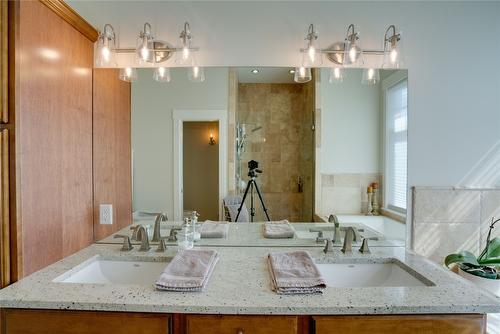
[250, 234]
[240, 284]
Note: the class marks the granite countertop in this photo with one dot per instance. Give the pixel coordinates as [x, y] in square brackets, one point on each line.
[251, 235]
[240, 284]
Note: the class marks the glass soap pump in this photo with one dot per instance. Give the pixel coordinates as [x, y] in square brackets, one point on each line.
[194, 226]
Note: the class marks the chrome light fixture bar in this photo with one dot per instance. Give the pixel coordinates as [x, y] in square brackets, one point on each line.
[155, 51]
[350, 53]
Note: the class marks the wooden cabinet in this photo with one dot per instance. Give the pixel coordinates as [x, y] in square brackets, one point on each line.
[408, 324]
[82, 322]
[233, 324]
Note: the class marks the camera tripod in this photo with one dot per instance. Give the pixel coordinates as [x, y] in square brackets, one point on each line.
[250, 187]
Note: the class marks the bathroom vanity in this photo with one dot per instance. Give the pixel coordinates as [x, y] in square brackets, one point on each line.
[389, 290]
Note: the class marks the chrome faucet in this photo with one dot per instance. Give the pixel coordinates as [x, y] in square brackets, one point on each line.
[348, 239]
[334, 219]
[143, 237]
[127, 245]
[156, 232]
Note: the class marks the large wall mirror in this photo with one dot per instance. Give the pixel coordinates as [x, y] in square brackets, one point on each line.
[329, 146]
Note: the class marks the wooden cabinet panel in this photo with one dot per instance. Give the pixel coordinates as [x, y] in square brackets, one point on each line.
[215, 324]
[111, 150]
[408, 324]
[4, 209]
[81, 322]
[53, 115]
[4, 62]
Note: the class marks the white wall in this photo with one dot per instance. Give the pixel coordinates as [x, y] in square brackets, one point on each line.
[350, 124]
[152, 129]
[454, 102]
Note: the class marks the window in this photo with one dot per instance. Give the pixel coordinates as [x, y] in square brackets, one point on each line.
[396, 127]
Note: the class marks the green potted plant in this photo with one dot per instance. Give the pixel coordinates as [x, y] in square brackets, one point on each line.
[483, 270]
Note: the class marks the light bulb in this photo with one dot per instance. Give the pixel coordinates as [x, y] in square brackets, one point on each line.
[371, 76]
[302, 74]
[312, 53]
[105, 53]
[144, 53]
[128, 74]
[336, 75]
[196, 74]
[352, 54]
[394, 55]
[161, 74]
[185, 53]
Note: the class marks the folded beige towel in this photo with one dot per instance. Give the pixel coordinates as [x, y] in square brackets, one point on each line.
[212, 229]
[189, 270]
[278, 230]
[295, 273]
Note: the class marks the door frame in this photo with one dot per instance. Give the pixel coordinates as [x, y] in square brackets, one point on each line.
[199, 115]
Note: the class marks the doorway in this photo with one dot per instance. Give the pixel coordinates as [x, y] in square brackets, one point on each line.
[180, 117]
[201, 168]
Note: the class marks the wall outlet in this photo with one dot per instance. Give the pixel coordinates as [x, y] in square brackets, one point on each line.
[106, 214]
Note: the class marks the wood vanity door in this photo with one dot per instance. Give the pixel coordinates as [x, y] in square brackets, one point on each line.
[233, 324]
[82, 322]
[408, 324]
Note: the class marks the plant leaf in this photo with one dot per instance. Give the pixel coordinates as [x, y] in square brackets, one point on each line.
[491, 253]
[461, 257]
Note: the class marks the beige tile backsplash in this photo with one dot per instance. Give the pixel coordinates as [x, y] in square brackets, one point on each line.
[446, 220]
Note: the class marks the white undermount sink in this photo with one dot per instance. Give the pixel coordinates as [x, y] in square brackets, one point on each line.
[368, 275]
[103, 271]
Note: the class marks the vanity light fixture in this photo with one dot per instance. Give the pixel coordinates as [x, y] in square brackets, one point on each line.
[371, 76]
[162, 74]
[185, 54]
[145, 45]
[353, 54]
[104, 48]
[255, 71]
[311, 54]
[128, 74]
[302, 74]
[292, 71]
[393, 53]
[336, 75]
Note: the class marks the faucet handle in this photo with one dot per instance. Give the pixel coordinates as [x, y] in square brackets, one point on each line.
[328, 246]
[127, 245]
[320, 238]
[135, 230]
[162, 245]
[364, 247]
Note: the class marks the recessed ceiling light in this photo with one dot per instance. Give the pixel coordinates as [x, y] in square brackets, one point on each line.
[255, 71]
[292, 71]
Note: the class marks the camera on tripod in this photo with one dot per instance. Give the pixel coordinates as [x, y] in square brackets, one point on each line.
[253, 168]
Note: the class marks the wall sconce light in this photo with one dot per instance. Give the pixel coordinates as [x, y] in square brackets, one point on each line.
[104, 48]
[302, 74]
[371, 76]
[393, 49]
[149, 50]
[128, 74]
[145, 45]
[211, 141]
[353, 52]
[349, 52]
[311, 54]
[162, 74]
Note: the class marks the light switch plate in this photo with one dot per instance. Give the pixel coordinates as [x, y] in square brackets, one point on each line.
[106, 214]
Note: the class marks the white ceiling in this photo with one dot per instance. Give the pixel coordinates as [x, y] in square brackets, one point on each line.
[265, 75]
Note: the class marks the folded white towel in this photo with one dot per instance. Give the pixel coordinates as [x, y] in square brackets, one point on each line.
[189, 270]
[294, 273]
[278, 230]
[212, 229]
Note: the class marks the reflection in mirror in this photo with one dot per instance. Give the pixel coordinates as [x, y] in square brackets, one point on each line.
[361, 167]
[324, 147]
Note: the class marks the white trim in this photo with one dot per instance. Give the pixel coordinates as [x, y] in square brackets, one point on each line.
[179, 116]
